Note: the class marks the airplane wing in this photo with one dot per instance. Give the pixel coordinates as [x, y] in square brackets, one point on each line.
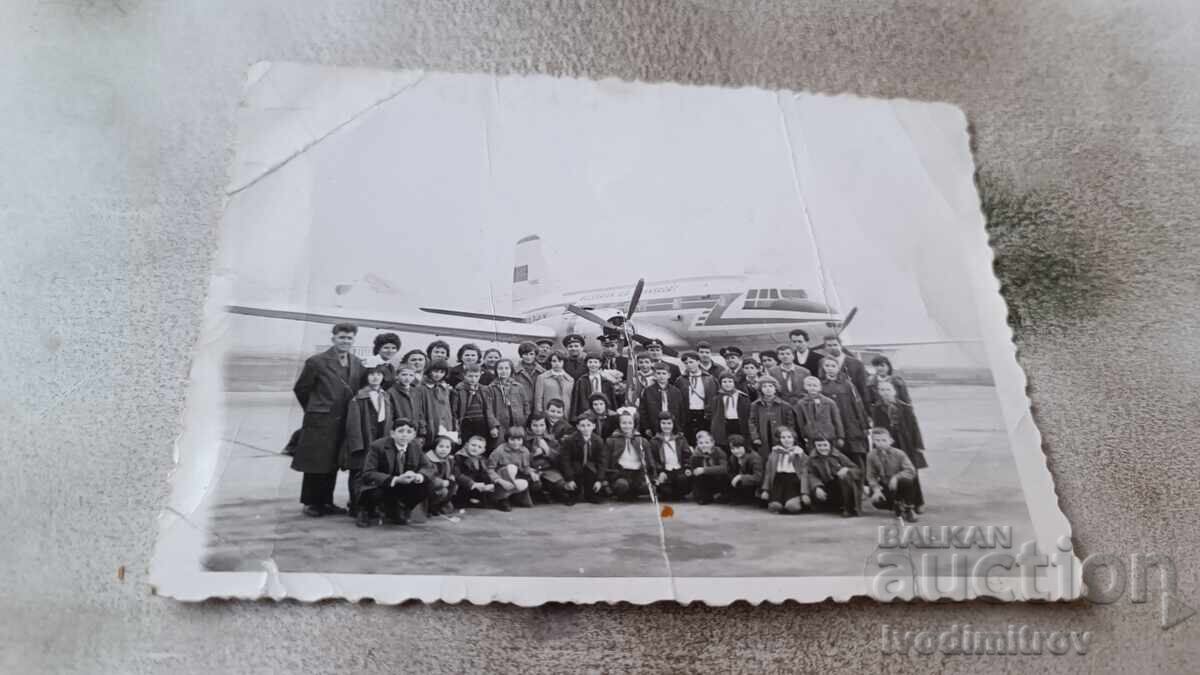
[441, 323]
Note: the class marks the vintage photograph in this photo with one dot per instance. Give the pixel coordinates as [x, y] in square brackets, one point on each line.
[533, 339]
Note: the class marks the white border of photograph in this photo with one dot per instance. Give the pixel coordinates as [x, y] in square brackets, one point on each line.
[176, 570]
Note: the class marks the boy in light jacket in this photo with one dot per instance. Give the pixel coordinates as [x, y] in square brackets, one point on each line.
[891, 476]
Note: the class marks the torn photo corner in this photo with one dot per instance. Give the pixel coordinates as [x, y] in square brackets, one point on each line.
[534, 339]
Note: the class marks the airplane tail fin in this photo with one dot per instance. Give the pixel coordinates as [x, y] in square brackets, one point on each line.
[529, 272]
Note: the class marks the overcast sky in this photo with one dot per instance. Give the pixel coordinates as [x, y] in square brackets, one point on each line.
[431, 189]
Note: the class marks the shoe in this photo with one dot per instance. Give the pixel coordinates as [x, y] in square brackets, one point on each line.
[400, 517]
[363, 519]
[334, 510]
[313, 511]
[846, 513]
[919, 509]
[909, 516]
[504, 506]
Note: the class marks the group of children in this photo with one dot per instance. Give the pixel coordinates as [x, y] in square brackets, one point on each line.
[567, 427]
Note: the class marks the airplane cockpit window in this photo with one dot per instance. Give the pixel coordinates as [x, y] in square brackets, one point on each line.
[764, 298]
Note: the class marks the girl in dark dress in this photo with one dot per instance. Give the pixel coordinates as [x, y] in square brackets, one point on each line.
[885, 372]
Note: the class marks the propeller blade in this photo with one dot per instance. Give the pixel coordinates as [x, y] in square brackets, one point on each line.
[590, 317]
[846, 322]
[637, 295]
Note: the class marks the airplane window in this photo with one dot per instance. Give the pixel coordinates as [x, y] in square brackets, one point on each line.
[774, 294]
[752, 295]
[790, 293]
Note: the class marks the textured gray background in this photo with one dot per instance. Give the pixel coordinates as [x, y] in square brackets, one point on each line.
[115, 135]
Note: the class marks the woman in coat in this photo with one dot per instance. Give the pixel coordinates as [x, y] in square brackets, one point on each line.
[884, 372]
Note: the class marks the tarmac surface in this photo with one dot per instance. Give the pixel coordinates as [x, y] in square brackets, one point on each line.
[256, 514]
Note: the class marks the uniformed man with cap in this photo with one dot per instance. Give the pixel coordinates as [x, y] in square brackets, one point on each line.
[610, 354]
[576, 361]
[733, 362]
[655, 348]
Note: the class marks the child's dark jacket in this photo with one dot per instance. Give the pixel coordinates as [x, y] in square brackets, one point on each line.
[361, 426]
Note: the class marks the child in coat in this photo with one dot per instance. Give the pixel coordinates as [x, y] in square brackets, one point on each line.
[672, 460]
[406, 399]
[785, 471]
[897, 417]
[545, 457]
[439, 473]
[710, 469]
[628, 461]
[832, 480]
[607, 421]
[508, 465]
[475, 486]
[768, 415]
[818, 415]
[472, 404]
[560, 428]
[747, 470]
[838, 385]
[368, 418]
[584, 457]
[748, 379]
[508, 402]
[436, 405]
[731, 414]
[555, 383]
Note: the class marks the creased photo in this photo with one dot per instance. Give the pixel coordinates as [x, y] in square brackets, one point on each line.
[534, 339]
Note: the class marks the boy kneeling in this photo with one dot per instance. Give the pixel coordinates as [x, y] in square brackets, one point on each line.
[832, 480]
[509, 468]
[891, 476]
[474, 480]
[747, 470]
[392, 479]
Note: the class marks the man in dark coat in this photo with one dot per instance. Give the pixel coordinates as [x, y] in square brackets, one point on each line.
[576, 361]
[806, 357]
[325, 386]
[393, 477]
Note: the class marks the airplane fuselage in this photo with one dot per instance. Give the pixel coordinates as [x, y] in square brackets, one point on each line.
[753, 314]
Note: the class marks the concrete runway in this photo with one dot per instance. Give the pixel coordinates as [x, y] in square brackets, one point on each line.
[256, 513]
